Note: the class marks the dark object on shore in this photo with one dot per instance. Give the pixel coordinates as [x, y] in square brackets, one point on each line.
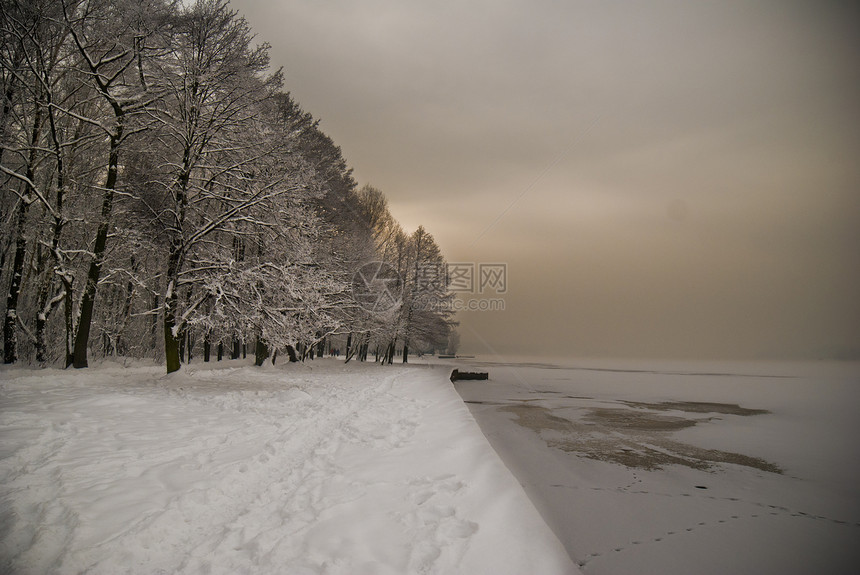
[447, 357]
[457, 375]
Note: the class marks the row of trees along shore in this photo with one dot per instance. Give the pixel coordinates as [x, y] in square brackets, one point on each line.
[162, 193]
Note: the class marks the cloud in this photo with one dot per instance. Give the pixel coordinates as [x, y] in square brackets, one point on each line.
[663, 176]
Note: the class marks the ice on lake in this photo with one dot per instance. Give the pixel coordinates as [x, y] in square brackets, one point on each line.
[669, 467]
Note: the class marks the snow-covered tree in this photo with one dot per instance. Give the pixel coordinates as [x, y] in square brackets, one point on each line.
[31, 46]
[224, 165]
[422, 314]
[148, 155]
[111, 38]
[427, 305]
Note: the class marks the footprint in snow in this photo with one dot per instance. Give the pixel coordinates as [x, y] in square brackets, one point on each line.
[422, 497]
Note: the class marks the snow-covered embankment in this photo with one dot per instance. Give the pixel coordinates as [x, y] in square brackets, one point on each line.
[327, 468]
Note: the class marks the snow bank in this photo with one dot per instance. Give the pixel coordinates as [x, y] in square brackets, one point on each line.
[321, 468]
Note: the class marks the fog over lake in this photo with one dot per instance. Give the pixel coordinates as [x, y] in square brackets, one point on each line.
[662, 179]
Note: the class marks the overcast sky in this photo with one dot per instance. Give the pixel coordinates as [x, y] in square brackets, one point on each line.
[665, 179]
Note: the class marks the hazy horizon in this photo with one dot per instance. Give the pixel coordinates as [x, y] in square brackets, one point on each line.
[661, 179]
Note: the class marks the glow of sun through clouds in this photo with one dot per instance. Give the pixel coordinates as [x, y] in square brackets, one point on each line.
[662, 178]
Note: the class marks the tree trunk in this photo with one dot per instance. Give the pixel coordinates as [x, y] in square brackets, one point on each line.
[171, 346]
[68, 317]
[41, 344]
[291, 352]
[121, 346]
[171, 341]
[261, 352]
[172, 332]
[45, 306]
[350, 351]
[88, 301]
[389, 352]
[10, 328]
[207, 347]
[182, 339]
[153, 327]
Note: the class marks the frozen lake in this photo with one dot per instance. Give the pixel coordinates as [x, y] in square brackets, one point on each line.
[670, 468]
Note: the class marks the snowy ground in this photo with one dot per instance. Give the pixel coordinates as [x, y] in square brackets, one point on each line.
[671, 468]
[320, 468]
